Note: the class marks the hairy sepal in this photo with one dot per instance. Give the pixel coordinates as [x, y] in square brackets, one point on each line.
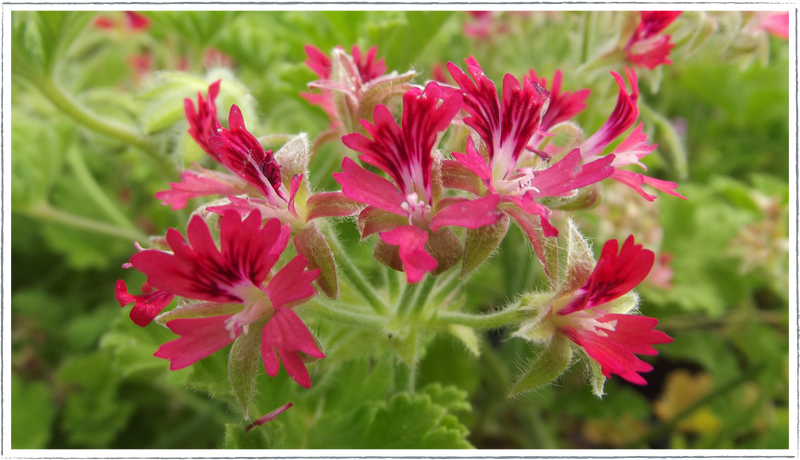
[482, 242]
[331, 204]
[197, 310]
[310, 243]
[580, 261]
[293, 158]
[465, 335]
[243, 363]
[446, 248]
[553, 361]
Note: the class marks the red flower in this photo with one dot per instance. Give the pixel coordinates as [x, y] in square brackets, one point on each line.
[136, 21]
[406, 154]
[203, 121]
[647, 47]
[506, 125]
[610, 338]
[237, 289]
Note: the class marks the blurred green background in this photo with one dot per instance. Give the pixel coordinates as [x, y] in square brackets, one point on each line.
[83, 375]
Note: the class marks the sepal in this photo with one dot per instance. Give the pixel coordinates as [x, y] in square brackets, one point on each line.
[331, 204]
[553, 361]
[482, 242]
[243, 363]
[580, 261]
[311, 244]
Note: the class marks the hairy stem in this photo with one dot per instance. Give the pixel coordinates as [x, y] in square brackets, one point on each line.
[327, 310]
[46, 212]
[354, 275]
[95, 192]
[486, 321]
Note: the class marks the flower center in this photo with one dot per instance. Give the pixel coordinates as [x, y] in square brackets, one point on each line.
[518, 184]
[416, 208]
[257, 306]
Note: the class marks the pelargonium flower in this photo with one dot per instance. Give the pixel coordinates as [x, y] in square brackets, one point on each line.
[409, 209]
[236, 291]
[505, 126]
[648, 47]
[774, 22]
[622, 118]
[351, 85]
[591, 308]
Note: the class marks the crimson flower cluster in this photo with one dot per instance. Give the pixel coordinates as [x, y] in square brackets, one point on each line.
[403, 188]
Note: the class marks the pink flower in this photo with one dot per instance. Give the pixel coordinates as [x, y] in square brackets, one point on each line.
[147, 306]
[774, 22]
[406, 153]
[647, 46]
[484, 25]
[505, 126]
[611, 339]
[203, 121]
[350, 85]
[635, 146]
[136, 21]
[236, 289]
[562, 106]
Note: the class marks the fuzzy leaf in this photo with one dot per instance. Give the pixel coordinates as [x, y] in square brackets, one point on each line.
[405, 422]
[450, 397]
[549, 365]
[482, 242]
[243, 363]
[310, 243]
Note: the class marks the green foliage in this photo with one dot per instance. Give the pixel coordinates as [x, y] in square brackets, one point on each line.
[32, 414]
[84, 376]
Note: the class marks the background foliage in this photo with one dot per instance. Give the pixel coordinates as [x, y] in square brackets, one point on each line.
[84, 375]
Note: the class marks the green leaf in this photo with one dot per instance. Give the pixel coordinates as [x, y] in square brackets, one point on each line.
[32, 414]
[548, 366]
[93, 414]
[244, 362]
[198, 27]
[39, 152]
[41, 38]
[450, 397]
[405, 422]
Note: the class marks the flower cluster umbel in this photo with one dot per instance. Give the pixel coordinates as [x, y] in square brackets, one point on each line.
[259, 251]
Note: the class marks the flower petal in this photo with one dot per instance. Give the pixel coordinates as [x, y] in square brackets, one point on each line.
[285, 335]
[147, 306]
[200, 337]
[292, 284]
[416, 261]
[468, 213]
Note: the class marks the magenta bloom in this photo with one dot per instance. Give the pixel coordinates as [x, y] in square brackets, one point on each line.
[506, 125]
[611, 339]
[236, 289]
[406, 153]
[633, 148]
[146, 306]
[648, 47]
[562, 106]
[203, 122]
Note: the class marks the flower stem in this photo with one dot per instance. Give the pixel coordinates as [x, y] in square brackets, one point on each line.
[405, 301]
[46, 212]
[422, 295]
[324, 309]
[95, 192]
[354, 275]
[487, 321]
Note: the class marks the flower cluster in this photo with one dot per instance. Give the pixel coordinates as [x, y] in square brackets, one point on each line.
[438, 174]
